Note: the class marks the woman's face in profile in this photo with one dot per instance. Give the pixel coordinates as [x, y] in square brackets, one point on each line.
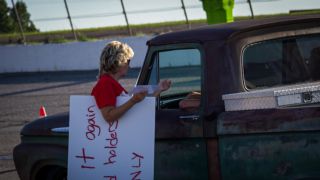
[123, 70]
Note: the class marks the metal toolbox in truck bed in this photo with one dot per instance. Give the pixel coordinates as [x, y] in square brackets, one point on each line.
[308, 93]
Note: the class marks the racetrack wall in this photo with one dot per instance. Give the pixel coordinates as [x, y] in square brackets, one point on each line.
[64, 57]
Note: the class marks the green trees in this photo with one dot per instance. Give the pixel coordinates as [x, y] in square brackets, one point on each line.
[5, 20]
[26, 23]
[9, 21]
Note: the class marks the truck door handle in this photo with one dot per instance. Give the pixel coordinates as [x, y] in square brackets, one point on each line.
[189, 117]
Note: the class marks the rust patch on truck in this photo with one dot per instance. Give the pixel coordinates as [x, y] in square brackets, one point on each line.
[269, 120]
[213, 160]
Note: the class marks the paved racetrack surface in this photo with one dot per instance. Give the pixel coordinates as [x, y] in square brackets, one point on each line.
[22, 95]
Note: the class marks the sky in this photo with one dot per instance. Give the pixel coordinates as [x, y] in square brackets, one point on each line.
[50, 15]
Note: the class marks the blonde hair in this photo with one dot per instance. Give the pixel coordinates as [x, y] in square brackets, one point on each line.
[114, 55]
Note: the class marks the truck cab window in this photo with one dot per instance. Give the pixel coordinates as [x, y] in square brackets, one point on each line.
[183, 68]
[283, 61]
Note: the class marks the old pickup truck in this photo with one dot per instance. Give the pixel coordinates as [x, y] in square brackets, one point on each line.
[259, 113]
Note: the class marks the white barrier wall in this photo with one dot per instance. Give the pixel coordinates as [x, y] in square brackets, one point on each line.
[64, 57]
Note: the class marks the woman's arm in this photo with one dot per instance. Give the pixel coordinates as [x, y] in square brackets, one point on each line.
[111, 113]
[163, 86]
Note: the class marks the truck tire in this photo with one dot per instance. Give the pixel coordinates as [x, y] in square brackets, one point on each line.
[52, 173]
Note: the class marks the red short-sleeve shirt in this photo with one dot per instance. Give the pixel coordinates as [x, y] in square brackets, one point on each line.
[106, 91]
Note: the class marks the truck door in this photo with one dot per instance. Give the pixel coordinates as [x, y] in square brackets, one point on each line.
[180, 150]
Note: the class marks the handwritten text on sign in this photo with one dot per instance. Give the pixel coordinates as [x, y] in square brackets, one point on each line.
[123, 149]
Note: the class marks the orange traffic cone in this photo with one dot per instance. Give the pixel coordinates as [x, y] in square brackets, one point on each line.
[42, 112]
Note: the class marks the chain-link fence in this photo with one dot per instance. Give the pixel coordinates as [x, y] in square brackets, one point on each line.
[73, 14]
[121, 11]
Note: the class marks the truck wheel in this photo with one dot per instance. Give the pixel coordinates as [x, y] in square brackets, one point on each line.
[57, 173]
[52, 173]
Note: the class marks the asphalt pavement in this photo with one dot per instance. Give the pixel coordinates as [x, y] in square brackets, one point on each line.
[22, 95]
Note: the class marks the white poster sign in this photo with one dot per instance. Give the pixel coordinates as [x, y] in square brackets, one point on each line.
[120, 150]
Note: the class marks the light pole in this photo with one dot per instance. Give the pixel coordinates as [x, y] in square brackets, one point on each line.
[185, 14]
[251, 10]
[69, 17]
[126, 18]
[19, 22]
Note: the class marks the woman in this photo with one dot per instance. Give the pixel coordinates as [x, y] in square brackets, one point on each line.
[114, 64]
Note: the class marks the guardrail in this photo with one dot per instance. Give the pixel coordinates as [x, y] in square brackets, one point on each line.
[65, 56]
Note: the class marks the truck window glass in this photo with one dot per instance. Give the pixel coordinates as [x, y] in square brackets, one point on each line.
[183, 68]
[282, 62]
